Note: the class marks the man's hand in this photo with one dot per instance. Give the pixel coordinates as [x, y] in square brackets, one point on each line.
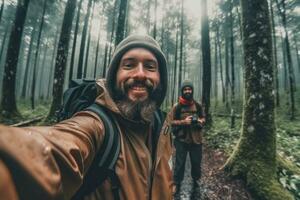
[188, 120]
[201, 121]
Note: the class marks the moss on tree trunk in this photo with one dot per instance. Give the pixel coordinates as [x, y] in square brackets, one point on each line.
[254, 158]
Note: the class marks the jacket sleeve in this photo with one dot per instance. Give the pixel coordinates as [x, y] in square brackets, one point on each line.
[50, 162]
[175, 122]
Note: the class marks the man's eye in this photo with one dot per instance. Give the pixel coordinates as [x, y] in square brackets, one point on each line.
[127, 65]
[151, 67]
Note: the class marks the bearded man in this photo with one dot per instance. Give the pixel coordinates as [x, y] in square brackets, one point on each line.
[51, 162]
[187, 119]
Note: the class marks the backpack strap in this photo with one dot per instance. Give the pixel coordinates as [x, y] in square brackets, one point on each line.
[103, 166]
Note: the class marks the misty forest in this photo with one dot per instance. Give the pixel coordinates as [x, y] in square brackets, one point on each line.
[243, 57]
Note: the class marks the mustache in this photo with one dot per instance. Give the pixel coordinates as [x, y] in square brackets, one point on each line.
[140, 83]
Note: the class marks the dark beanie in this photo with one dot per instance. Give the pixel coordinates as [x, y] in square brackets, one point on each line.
[187, 83]
[138, 41]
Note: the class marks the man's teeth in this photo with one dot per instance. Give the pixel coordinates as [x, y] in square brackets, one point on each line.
[139, 88]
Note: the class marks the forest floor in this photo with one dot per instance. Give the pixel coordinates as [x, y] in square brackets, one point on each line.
[215, 185]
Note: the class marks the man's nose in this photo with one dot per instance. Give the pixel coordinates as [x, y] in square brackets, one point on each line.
[139, 72]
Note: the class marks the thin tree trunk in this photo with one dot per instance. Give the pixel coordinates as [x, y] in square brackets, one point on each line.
[155, 19]
[221, 67]
[61, 59]
[8, 102]
[181, 48]
[52, 66]
[105, 60]
[275, 56]
[1, 10]
[148, 23]
[36, 56]
[75, 41]
[26, 77]
[205, 46]
[83, 40]
[89, 42]
[121, 22]
[232, 67]
[282, 11]
[112, 33]
[175, 68]
[97, 49]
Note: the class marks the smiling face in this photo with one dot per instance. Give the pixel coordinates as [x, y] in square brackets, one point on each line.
[138, 74]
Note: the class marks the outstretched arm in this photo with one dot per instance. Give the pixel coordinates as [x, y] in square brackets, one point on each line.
[49, 162]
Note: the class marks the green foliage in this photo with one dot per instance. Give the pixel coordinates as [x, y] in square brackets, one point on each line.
[41, 109]
[221, 136]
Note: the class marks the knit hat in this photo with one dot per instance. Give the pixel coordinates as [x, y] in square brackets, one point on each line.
[186, 83]
[136, 41]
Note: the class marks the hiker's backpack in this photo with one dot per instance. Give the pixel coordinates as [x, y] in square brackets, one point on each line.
[80, 96]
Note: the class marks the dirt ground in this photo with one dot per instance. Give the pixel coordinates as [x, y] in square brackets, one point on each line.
[215, 185]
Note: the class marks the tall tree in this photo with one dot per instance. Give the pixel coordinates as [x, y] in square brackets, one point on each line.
[121, 22]
[1, 10]
[282, 11]
[61, 58]
[275, 55]
[231, 21]
[181, 47]
[36, 55]
[205, 46]
[8, 107]
[75, 41]
[89, 42]
[83, 40]
[254, 158]
[26, 75]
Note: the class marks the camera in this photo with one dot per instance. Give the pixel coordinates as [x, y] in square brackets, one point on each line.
[194, 119]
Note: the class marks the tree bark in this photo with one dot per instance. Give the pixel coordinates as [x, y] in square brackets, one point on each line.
[121, 22]
[75, 41]
[8, 101]
[61, 59]
[254, 158]
[83, 40]
[36, 56]
[206, 60]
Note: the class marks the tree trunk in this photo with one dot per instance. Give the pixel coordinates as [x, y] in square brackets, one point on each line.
[8, 101]
[61, 59]
[254, 158]
[97, 49]
[1, 10]
[297, 53]
[36, 56]
[89, 43]
[155, 20]
[75, 41]
[175, 68]
[181, 49]
[50, 80]
[275, 56]
[26, 77]
[206, 77]
[121, 22]
[112, 33]
[83, 40]
[221, 67]
[282, 11]
[232, 124]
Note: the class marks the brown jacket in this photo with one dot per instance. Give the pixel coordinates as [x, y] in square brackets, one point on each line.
[187, 133]
[50, 162]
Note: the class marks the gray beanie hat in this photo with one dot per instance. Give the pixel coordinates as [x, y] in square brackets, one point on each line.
[135, 41]
[187, 83]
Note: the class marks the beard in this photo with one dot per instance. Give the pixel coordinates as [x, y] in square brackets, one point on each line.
[188, 96]
[138, 109]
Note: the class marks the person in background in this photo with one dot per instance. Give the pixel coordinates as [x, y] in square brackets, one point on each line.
[187, 119]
